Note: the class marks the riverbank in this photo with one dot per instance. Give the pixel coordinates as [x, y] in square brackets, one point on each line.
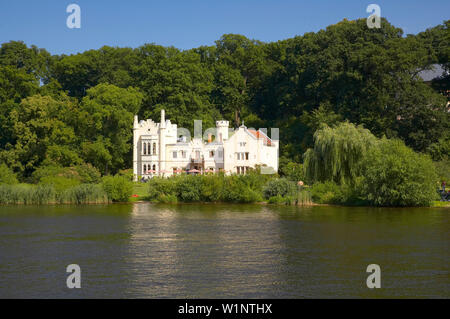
[141, 191]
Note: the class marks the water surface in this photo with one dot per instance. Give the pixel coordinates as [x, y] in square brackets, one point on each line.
[145, 250]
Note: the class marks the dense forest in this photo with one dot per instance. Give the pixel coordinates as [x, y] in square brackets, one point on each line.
[77, 110]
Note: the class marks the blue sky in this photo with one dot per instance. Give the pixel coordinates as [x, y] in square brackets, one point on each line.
[191, 23]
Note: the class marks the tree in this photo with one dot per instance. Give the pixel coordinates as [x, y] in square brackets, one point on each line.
[15, 84]
[39, 131]
[7, 176]
[104, 121]
[395, 175]
[338, 153]
[33, 61]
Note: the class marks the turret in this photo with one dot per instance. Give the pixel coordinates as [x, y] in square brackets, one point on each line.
[222, 130]
[163, 119]
[135, 147]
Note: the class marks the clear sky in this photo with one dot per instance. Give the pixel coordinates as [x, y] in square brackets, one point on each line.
[190, 23]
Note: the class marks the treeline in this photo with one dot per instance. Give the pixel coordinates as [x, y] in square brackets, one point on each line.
[61, 111]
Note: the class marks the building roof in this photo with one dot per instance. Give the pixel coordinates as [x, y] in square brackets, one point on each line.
[260, 134]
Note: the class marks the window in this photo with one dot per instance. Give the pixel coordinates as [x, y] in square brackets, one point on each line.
[174, 155]
[238, 156]
[238, 169]
[145, 169]
[242, 144]
[211, 153]
[154, 149]
[183, 154]
[145, 148]
[246, 155]
[154, 168]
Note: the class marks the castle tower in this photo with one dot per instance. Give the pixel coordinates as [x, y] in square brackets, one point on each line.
[135, 148]
[222, 130]
[162, 144]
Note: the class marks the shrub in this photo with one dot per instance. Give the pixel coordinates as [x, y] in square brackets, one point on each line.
[293, 171]
[159, 187]
[280, 187]
[212, 188]
[166, 199]
[288, 200]
[237, 190]
[83, 173]
[118, 188]
[59, 183]
[443, 170]
[326, 193]
[397, 176]
[189, 187]
[7, 176]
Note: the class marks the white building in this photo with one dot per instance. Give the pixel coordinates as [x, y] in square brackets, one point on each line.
[162, 149]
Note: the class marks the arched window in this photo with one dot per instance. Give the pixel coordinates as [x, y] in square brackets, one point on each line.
[154, 168]
[154, 148]
[145, 169]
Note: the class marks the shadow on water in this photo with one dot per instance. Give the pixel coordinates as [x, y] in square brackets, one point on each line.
[219, 250]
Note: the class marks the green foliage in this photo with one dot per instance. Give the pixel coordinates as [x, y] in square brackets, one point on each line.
[83, 194]
[338, 153]
[46, 194]
[104, 121]
[118, 188]
[83, 173]
[207, 188]
[395, 175]
[59, 183]
[84, 110]
[443, 170]
[279, 187]
[7, 176]
[161, 189]
[326, 193]
[292, 171]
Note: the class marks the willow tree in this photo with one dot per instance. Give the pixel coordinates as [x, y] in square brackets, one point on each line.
[338, 153]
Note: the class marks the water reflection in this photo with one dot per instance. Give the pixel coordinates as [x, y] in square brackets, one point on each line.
[243, 251]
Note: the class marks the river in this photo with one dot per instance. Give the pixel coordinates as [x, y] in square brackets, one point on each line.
[145, 250]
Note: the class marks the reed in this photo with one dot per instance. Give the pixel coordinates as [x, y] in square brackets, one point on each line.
[23, 194]
[304, 197]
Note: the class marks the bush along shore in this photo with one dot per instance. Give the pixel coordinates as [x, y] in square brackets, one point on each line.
[250, 188]
[61, 189]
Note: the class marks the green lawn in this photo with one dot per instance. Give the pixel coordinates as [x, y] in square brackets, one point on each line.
[440, 204]
[139, 189]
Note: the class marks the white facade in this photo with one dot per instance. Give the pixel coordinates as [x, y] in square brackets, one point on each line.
[162, 149]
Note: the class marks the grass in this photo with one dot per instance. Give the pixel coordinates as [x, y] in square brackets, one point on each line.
[440, 204]
[140, 189]
[46, 194]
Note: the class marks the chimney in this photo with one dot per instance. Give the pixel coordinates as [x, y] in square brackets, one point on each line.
[136, 122]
